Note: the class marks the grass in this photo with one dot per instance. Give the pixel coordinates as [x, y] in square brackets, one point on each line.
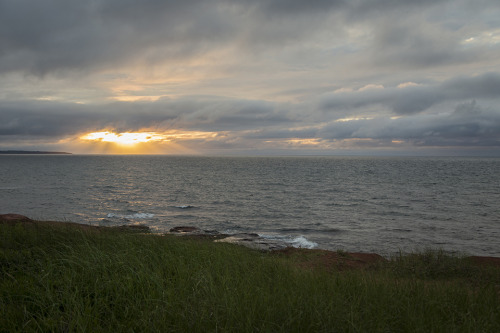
[64, 279]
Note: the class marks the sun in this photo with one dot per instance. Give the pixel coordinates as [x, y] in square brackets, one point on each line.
[145, 142]
[125, 139]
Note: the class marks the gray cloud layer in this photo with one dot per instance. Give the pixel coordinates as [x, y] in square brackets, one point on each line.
[418, 98]
[45, 36]
[469, 125]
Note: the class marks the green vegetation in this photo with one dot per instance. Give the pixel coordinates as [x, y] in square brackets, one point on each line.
[64, 278]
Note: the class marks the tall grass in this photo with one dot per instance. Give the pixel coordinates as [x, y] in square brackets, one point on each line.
[57, 278]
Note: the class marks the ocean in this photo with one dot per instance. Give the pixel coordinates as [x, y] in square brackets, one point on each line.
[358, 204]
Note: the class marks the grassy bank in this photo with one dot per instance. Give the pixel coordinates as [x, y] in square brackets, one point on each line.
[62, 278]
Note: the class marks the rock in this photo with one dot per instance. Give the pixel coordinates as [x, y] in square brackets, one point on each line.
[186, 230]
[331, 260]
[253, 241]
[12, 218]
[135, 227]
[196, 233]
[485, 261]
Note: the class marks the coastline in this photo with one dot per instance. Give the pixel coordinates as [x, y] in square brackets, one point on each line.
[321, 258]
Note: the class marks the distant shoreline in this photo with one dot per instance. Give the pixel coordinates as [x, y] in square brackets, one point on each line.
[32, 152]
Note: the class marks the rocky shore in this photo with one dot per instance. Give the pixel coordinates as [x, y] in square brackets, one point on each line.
[313, 258]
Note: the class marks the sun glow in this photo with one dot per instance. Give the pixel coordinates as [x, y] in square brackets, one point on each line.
[125, 138]
[147, 142]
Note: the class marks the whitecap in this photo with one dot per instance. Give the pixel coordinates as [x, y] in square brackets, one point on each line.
[184, 206]
[303, 242]
[298, 242]
[132, 216]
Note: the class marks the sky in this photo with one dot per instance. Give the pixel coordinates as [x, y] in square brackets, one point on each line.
[272, 77]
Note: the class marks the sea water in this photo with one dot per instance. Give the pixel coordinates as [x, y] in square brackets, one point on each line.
[367, 204]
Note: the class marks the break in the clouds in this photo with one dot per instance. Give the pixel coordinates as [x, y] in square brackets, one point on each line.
[259, 76]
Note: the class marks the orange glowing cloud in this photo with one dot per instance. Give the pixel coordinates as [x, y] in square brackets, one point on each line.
[143, 142]
[125, 138]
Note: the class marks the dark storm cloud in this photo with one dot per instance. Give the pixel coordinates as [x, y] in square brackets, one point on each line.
[247, 122]
[410, 35]
[449, 9]
[468, 125]
[482, 86]
[401, 44]
[41, 37]
[417, 98]
[42, 119]
[45, 118]
[294, 7]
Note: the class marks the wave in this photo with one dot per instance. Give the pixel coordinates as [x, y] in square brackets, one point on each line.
[131, 216]
[184, 206]
[303, 242]
[298, 242]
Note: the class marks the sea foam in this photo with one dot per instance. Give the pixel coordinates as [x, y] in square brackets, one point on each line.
[303, 242]
[298, 242]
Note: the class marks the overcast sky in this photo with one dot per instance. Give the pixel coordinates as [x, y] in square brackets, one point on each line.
[253, 76]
